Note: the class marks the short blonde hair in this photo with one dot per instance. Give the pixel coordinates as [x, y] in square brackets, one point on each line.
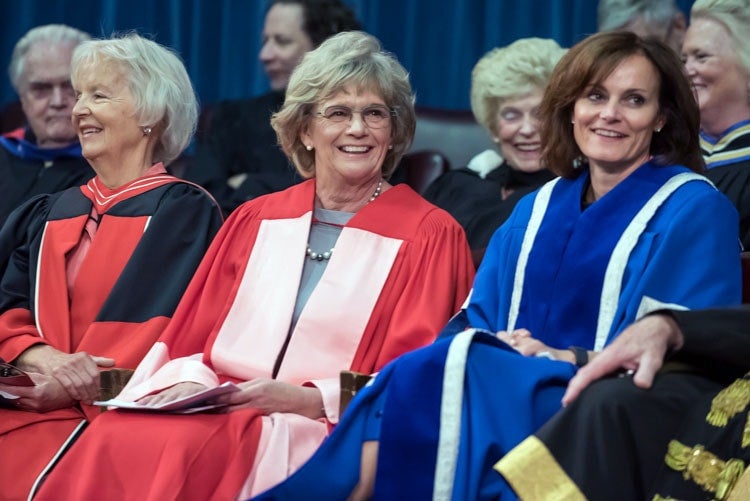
[508, 73]
[164, 96]
[349, 58]
[735, 16]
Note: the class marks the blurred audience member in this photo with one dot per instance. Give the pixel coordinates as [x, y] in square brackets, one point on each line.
[506, 88]
[44, 156]
[239, 158]
[717, 59]
[658, 18]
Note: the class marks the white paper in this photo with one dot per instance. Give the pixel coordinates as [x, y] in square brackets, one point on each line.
[186, 405]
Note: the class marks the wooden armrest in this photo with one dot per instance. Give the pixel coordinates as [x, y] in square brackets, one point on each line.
[350, 382]
[112, 381]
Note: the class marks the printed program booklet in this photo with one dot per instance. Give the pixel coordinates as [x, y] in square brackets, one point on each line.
[196, 402]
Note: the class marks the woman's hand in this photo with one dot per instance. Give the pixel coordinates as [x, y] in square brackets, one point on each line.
[525, 344]
[270, 395]
[78, 373]
[47, 395]
[180, 390]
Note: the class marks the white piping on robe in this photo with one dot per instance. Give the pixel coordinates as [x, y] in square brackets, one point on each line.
[539, 209]
[620, 256]
[450, 415]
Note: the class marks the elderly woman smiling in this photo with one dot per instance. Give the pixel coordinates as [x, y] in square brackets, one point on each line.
[93, 274]
[343, 271]
[506, 88]
[716, 53]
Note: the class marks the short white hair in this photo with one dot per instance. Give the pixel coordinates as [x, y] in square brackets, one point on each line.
[159, 83]
[735, 16]
[509, 73]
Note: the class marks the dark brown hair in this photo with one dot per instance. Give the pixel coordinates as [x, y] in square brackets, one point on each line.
[590, 62]
[324, 18]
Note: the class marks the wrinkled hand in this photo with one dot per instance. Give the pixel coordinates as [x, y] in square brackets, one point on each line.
[78, 372]
[639, 348]
[47, 395]
[526, 344]
[270, 395]
[180, 390]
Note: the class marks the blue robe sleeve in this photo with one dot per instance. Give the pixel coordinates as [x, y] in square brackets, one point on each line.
[688, 258]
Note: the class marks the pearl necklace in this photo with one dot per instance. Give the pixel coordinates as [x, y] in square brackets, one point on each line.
[325, 256]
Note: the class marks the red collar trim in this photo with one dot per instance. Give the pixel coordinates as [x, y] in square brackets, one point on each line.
[104, 198]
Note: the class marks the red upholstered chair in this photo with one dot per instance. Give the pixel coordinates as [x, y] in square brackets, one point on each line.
[745, 277]
[420, 168]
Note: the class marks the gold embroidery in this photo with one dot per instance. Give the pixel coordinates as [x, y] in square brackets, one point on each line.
[704, 468]
[729, 402]
[545, 480]
[746, 432]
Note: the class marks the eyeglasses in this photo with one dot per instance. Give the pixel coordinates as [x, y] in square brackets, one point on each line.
[375, 117]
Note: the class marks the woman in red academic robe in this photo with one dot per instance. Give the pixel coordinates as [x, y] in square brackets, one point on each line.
[91, 275]
[343, 271]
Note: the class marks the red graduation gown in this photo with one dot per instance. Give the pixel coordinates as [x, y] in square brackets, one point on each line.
[145, 251]
[401, 269]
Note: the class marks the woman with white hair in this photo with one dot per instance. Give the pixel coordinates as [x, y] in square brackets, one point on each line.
[716, 53]
[506, 88]
[92, 274]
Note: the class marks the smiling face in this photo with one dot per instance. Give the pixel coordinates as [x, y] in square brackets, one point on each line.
[720, 83]
[46, 94]
[104, 114]
[284, 43]
[615, 119]
[348, 152]
[517, 127]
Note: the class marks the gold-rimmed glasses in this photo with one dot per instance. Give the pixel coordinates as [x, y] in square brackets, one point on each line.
[376, 116]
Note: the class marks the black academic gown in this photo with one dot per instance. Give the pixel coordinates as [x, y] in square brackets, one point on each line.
[477, 202]
[239, 140]
[610, 443]
[22, 179]
[728, 162]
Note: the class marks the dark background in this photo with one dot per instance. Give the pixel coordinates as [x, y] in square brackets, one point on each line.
[438, 41]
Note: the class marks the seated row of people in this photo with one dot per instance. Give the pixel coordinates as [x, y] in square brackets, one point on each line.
[327, 275]
[234, 170]
[619, 125]
[628, 228]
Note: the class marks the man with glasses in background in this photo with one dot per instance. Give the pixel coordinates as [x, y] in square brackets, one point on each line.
[44, 155]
